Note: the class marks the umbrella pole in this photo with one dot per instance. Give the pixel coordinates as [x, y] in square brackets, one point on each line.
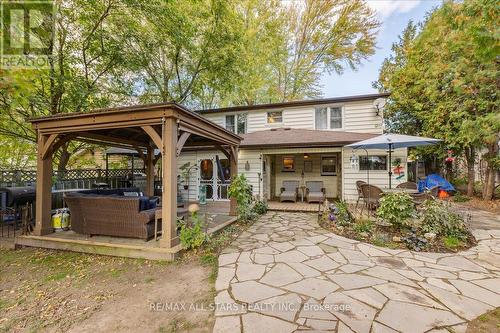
[390, 165]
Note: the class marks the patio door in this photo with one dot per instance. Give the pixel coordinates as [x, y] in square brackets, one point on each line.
[214, 175]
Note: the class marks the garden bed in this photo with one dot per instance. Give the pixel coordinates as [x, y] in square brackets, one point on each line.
[397, 224]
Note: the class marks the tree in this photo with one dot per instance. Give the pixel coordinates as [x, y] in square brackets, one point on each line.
[444, 82]
[84, 62]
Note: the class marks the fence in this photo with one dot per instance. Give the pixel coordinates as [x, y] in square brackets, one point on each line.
[70, 179]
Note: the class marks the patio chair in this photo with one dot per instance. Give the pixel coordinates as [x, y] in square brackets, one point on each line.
[408, 185]
[289, 190]
[315, 192]
[371, 196]
[360, 193]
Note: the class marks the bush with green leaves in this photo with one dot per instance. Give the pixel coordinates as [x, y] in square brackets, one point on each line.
[342, 214]
[192, 234]
[396, 209]
[363, 226]
[438, 217]
[241, 190]
[260, 207]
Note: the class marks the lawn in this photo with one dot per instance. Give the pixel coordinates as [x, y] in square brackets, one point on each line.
[44, 290]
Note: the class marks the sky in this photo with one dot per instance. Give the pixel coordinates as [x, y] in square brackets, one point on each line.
[394, 15]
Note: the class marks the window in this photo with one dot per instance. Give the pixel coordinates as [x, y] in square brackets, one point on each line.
[288, 164]
[335, 118]
[328, 117]
[237, 123]
[328, 165]
[274, 117]
[374, 162]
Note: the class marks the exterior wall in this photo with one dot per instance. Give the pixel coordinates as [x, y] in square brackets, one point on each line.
[329, 182]
[377, 178]
[357, 117]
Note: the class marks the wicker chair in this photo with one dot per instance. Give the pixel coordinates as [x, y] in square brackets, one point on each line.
[408, 185]
[110, 216]
[360, 193]
[371, 196]
[289, 190]
[315, 192]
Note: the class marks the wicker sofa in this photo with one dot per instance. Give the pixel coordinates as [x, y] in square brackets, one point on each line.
[111, 215]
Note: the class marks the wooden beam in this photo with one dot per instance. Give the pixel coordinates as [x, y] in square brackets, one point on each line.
[61, 141]
[181, 141]
[169, 182]
[150, 172]
[154, 136]
[224, 151]
[233, 167]
[111, 139]
[43, 203]
[47, 147]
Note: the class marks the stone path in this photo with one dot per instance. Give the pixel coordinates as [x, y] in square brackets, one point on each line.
[287, 274]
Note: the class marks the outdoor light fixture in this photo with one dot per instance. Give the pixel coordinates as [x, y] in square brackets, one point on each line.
[247, 166]
[306, 156]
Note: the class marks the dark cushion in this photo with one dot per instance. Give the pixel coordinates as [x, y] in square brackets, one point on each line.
[143, 203]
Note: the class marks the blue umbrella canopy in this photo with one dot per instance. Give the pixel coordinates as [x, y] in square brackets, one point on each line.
[394, 141]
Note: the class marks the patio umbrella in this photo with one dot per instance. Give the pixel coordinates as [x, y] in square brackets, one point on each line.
[393, 141]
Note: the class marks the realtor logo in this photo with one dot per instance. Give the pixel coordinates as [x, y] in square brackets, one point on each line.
[27, 29]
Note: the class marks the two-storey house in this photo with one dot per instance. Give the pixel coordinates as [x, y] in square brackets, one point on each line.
[300, 140]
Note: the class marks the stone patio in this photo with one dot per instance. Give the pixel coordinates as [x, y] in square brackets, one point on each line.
[287, 274]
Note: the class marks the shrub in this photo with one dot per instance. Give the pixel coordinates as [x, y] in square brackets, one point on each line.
[396, 208]
[342, 214]
[242, 192]
[459, 197]
[192, 236]
[363, 226]
[260, 207]
[439, 218]
[452, 242]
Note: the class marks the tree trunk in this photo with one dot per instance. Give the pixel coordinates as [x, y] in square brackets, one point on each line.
[64, 158]
[491, 172]
[470, 158]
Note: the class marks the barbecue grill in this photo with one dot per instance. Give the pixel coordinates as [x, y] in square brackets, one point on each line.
[15, 197]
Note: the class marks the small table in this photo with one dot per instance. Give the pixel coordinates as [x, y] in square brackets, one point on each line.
[400, 190]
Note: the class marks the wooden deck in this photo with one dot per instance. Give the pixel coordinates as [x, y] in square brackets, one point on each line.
[124, 247]
[293, 206]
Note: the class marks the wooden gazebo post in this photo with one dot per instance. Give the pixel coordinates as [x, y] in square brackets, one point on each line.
[150, 172]
[43, 203]
[169, 182]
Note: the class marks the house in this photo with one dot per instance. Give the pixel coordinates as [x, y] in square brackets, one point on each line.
[300, 140]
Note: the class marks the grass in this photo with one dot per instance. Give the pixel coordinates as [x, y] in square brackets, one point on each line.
[363, 226]
[452, 242]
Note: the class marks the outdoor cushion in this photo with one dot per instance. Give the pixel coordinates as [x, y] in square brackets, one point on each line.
[315, 191]
[289, 190]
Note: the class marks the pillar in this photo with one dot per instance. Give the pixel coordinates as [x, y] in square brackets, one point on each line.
[150, 172]
[43, 205]
[233, 207]
[169, 182]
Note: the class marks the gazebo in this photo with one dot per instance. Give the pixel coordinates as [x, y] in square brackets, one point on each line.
[168, 127]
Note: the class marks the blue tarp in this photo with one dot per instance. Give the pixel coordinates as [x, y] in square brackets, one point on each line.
[435, 180]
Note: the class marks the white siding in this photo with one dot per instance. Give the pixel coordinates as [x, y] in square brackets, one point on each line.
[190, 157]
[254, 171]
[357, 117]
[377, 178]
[361, 117]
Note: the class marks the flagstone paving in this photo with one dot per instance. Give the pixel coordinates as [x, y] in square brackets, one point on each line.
[287, 274]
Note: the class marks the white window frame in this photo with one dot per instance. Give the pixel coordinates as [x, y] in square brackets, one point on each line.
[275, 123]
[336, 165]
[387, 167]
[328, 116]
[235, 116]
